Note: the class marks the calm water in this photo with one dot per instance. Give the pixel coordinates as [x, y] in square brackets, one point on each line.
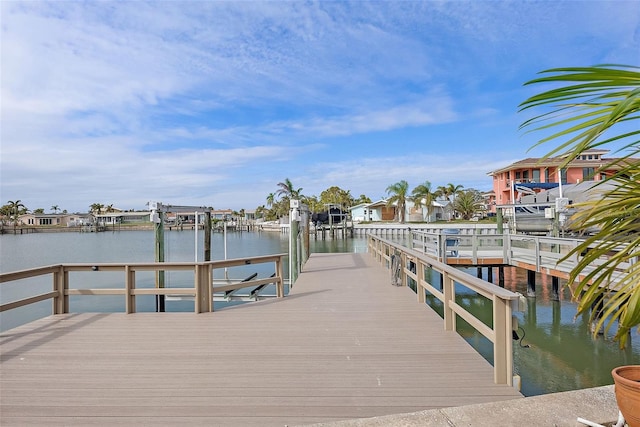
[561, 354]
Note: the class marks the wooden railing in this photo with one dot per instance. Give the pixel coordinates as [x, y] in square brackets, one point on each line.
[504, 302]
[202, 290]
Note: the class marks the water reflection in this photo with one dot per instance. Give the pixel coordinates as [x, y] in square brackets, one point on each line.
[561, 354]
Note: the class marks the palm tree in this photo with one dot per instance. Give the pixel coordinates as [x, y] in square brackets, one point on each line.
[423, 194]
[362, 199]
[15, 209]
[96, 208]
[595, 108]
[468, 203]
[286, 190]
[398, 195]
[55, 209]
[270, 199]
[454, 190]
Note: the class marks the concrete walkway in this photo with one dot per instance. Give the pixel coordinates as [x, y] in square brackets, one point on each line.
[550, 410]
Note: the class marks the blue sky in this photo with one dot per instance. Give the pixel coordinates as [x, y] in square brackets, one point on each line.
[214, 103]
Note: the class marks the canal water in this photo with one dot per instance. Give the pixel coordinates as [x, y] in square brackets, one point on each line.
[556, 352]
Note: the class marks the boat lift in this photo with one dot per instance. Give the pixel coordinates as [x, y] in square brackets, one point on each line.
[158, 210]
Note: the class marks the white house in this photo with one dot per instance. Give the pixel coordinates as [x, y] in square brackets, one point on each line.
[376, 211]
[111, 218]
[379, 211]
[440, 210]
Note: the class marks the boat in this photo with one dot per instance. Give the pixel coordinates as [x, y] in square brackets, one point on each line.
[535, 212]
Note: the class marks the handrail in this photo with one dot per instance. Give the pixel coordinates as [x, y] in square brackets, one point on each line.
[202, 291]
[539, 253]
[504, 301]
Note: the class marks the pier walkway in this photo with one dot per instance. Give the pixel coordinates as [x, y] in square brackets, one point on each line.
[344, 344]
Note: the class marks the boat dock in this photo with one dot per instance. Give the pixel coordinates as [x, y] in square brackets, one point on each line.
[344, 344]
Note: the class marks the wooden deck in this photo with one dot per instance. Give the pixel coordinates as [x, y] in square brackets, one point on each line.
[344, 344]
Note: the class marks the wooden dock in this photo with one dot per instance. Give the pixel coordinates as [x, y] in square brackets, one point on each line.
[344, 344]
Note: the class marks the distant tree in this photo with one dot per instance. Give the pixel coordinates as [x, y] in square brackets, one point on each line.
[96, 208]
[336, 196]
[109, 208]
[398, 193]
[261, 211]
[5, 212]
[361, 199]
[55, 209]
[468, 203]
[314, 204]
[38, 211]
[423, 195]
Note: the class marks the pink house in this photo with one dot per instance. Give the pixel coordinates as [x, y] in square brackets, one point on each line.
[587, 167]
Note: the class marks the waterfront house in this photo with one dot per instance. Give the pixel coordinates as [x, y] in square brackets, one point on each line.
[376, 211]
[62, 220]
[440, 210]
[222, 214]
[379, 211]
[358, 212]
[531, 175]
[112, 218]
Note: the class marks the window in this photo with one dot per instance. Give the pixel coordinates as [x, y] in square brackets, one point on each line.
[563, 175]
[587, 174]
[518, 175]
[535, 175]
[546, 175]
[525, 175]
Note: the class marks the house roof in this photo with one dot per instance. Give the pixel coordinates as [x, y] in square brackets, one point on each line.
[116, 214]
[359, 205]
[539, 162]
[379, 203]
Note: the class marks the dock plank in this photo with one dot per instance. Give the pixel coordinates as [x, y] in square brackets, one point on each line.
[344, 344]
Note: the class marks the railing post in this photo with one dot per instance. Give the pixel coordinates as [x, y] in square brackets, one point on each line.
[449, 298]
[210, 276]
[129, 286]
[60, 285]
[280, 278]
[208, 285]
[506, 249]
[403, 266]
[474, 247]
[502, 347]
[420, 275]
[203, 297]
